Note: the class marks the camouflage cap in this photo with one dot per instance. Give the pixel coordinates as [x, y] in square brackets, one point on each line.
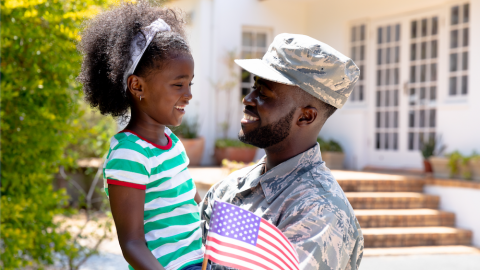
[309, 64]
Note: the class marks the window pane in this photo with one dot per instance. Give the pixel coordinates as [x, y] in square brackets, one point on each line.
[354, 34]
[424, 50]
[397, 54]
[466, 12]
[413, 70]
[362, 71]
[432, 116]
[414, 29]
[360, 92]
[422, 118]
[433, 93]
[397, 32]
[424, 27]
[395, 119]
[247, 39]
[464, 85]
[395, 98]
[411, 137]
[379, 56]
[412, 97]
[423, 94]
[397, 75]
[379, 77]
[379, 98]
[362, 52]
[389, 30]
[387, 143]
[420, 140]
[387, 98]
[387, 56]
[413, 51]
[362, 32]
[387, 119]
[379, 121]
[433, 72]
[379, 35]
[353, 94]
[377, 140]
[387, 76]
[464, 60]
[395, 141]
[453, 86]
[465, 37]
[246, 76]
[454, 39]
[434, 49]
[423, 73]
[261, 40]
[352, 54]
[453, 61]
[454, 15]
[411, 118]
[245, 91]
[434, 25]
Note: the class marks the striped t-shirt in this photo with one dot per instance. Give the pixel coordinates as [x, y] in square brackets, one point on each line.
[171, 216]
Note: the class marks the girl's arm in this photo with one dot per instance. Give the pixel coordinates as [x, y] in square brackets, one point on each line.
[127, 206]
[197, 198]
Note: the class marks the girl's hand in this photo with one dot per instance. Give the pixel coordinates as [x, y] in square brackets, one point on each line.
[127, 206]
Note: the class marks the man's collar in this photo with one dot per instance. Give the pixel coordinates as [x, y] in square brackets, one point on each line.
[283, 175]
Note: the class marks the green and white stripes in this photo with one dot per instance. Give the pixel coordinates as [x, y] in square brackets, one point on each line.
[171, 217]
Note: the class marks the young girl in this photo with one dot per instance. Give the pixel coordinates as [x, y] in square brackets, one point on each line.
[136, 59]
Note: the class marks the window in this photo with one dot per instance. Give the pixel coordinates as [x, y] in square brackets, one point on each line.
[387, 87]
[358, 54]
[423, 80]
[254, 45]
[458, 50]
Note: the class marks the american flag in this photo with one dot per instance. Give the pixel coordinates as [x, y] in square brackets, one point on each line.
[238, 238]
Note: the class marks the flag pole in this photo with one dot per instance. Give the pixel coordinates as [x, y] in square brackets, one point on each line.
[205, 263]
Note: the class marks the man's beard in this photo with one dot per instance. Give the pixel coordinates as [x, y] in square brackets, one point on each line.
[270, 134]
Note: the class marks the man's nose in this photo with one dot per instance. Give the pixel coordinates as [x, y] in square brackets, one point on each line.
[248, 100]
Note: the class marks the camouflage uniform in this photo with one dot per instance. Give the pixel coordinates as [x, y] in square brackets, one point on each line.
[301, 197]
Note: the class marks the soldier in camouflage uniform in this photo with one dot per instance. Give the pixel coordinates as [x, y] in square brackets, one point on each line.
[299, 83]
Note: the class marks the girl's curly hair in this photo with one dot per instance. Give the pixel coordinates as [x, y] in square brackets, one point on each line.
[105, 46]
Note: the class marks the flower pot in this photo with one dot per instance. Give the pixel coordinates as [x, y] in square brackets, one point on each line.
[240, 154]
[475, 169]
[333, 160]
[194, 149]
[440, 167]
[427, 166]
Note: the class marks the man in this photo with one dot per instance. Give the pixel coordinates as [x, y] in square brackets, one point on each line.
[299, 83]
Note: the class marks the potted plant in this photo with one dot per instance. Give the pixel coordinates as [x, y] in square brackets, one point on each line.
[234, 150]
[432, 154]
[332, 154]
[428, 149]
[187, 132]
[475, 166]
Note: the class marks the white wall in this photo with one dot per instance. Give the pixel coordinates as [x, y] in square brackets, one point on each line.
[464, 203]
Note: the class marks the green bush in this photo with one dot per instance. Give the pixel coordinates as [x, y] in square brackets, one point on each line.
[40, 117]
[223, 143]
[188, 129]
[329, 146]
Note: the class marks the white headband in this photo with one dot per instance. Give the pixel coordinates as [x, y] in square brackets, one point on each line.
[140, 43]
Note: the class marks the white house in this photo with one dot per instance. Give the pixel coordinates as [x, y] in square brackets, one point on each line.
[419, 61]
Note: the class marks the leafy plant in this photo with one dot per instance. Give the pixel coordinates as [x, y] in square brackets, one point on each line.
[457, 160]
[329, 146]
[454, 159]
[188, 129]
[432, 147]
[223, 143]
[40, 115]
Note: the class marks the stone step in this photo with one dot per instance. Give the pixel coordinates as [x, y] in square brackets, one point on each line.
[371, 218]
[391, 200]
[377, 182]
[422, 250]
[415, 236]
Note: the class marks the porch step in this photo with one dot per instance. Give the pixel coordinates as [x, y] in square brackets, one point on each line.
[415, 236]
[423, 250]
[391, 200]
[377, 182]
[369, 218]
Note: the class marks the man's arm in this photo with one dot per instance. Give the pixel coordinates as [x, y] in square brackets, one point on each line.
[323, 236]
[127, 206]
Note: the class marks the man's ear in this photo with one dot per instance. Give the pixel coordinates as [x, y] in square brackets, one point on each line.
[135, 86]
[308, 116]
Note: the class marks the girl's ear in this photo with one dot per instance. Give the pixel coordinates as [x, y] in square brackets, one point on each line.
[135, 86]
